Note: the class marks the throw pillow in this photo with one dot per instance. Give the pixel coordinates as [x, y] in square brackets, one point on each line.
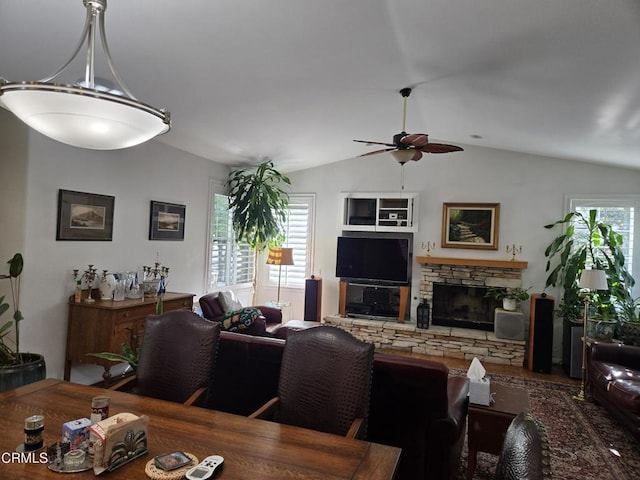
[228, 301]
[240, 319]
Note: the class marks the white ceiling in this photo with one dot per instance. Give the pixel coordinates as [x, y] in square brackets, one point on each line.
[297, 80]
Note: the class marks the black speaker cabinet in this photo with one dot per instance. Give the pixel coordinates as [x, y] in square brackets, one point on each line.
[508, 325]
[312, 299]
[540, 333]
[572, 348]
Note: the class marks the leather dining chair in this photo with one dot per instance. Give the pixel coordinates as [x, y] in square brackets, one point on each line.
[325, 382]
[525, 454]
[176, 358]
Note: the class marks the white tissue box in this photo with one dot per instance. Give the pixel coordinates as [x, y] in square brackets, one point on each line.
[480, 391]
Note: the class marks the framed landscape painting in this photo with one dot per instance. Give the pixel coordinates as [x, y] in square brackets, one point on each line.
[84, 216]
[470, 225]
[167, 221]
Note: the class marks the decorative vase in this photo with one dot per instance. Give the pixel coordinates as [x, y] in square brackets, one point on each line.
[630, 333]
[603, 330]
[509, 304]
[107, 286]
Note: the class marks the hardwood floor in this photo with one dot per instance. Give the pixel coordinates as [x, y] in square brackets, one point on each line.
[557, 373]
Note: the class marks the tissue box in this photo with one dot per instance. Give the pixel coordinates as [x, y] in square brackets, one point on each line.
[480, 391]
[76, 432]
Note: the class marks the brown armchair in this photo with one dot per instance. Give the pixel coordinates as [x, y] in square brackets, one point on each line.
[525, 454]
[266, 324]
[176, 358]
[325, 382]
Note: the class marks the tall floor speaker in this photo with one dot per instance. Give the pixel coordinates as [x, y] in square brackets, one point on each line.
[312, 299]
[540, 333]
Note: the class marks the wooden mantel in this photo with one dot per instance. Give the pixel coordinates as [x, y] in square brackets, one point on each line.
[472, 262]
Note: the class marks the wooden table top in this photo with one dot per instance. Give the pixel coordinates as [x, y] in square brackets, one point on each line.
[507, 400]
[252, 449]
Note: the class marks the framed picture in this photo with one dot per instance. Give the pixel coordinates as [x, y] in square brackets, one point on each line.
[470, 225]
[167, 221]
[84, 216]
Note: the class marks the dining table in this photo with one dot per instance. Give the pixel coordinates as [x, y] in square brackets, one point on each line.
[252, 449]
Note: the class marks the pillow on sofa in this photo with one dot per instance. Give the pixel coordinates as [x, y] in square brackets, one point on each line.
[239, 320]
[228, 301]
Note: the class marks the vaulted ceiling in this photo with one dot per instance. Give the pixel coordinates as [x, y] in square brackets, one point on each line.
[297, 80]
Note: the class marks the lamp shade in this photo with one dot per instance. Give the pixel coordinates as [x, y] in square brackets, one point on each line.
[403, 156]
[593, 280]
[84, 117]
[280, 256]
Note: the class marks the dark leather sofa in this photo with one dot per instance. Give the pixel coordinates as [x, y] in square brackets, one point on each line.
[265, 325]
[613, 374]
[415, 404]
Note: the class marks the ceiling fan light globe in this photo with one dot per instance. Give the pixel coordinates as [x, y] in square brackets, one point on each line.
[403, 156]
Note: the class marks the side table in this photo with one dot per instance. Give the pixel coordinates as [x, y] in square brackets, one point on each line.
[487, 425]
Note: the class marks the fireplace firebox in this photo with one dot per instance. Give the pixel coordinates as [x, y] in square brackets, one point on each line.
[462, 306]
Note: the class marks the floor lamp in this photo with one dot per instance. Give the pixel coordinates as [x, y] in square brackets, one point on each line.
[280, 256]
[591, 280]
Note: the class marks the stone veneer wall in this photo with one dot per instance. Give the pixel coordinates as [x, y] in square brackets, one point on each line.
[438, 341]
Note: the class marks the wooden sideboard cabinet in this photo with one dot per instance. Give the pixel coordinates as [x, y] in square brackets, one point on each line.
[104, 325]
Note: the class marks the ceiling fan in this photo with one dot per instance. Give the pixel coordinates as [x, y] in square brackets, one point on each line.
[406, 146]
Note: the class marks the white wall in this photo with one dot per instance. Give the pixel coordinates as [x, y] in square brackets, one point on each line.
[530, 190]
[135, 177]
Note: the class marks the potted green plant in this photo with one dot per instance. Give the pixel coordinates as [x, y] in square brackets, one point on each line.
[629, 316]
[595, 245]
[16, 368]
[258, 204]
[509, 296]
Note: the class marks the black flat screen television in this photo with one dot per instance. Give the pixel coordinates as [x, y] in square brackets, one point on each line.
[373, 259]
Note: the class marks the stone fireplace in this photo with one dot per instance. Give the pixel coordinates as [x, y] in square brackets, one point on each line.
[455, 288]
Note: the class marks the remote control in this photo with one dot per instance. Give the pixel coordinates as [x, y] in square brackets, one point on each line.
[205, 469]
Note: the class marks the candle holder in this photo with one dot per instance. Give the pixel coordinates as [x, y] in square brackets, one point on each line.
[89, 277]
[428, 247]
[154, 279]
[512, 249]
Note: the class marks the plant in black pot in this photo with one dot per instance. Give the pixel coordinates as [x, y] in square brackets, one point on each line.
[586, 242]
[16, 368]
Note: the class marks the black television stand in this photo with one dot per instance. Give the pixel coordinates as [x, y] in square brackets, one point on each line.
[364, 300]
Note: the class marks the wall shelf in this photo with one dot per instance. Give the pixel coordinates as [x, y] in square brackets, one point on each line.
[380, 211]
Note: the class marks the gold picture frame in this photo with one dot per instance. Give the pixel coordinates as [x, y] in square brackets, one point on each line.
[470, 225]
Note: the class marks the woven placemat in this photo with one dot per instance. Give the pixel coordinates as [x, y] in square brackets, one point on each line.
[155, 473]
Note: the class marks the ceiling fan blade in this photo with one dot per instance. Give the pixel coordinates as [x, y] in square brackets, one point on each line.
[440, 148]
[376, 152]
[375, 143]
[417, 156]
[418, 140]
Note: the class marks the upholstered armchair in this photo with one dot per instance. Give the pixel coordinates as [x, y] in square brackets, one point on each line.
[325, 382]
[269, 320]
[176, 359]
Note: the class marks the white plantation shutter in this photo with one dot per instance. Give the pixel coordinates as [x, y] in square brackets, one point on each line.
[619, 213]
[299, 236]
[230, 263]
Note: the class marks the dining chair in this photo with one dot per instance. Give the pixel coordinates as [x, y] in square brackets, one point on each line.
[325, 382]
[525, 454]
[176, 359]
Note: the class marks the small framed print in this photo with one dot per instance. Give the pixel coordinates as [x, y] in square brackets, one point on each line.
[470, 225]
[166, 221]
[84, 216]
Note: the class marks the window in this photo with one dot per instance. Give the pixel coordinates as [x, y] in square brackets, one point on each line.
[620, 213]
[230, 262]
[299, 236]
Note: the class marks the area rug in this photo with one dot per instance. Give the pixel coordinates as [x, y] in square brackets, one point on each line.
[586, 443]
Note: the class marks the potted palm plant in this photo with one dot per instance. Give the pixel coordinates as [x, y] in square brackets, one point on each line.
[258, 204]
[16, 368]
[594, 245]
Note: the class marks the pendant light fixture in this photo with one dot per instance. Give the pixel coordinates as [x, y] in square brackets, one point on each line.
[86, 114]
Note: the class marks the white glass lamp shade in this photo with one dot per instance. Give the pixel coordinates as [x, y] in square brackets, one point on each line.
[403, 156]
[593, 280]
[84, 117]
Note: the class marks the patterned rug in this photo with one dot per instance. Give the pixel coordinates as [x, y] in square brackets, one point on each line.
[585, 442]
